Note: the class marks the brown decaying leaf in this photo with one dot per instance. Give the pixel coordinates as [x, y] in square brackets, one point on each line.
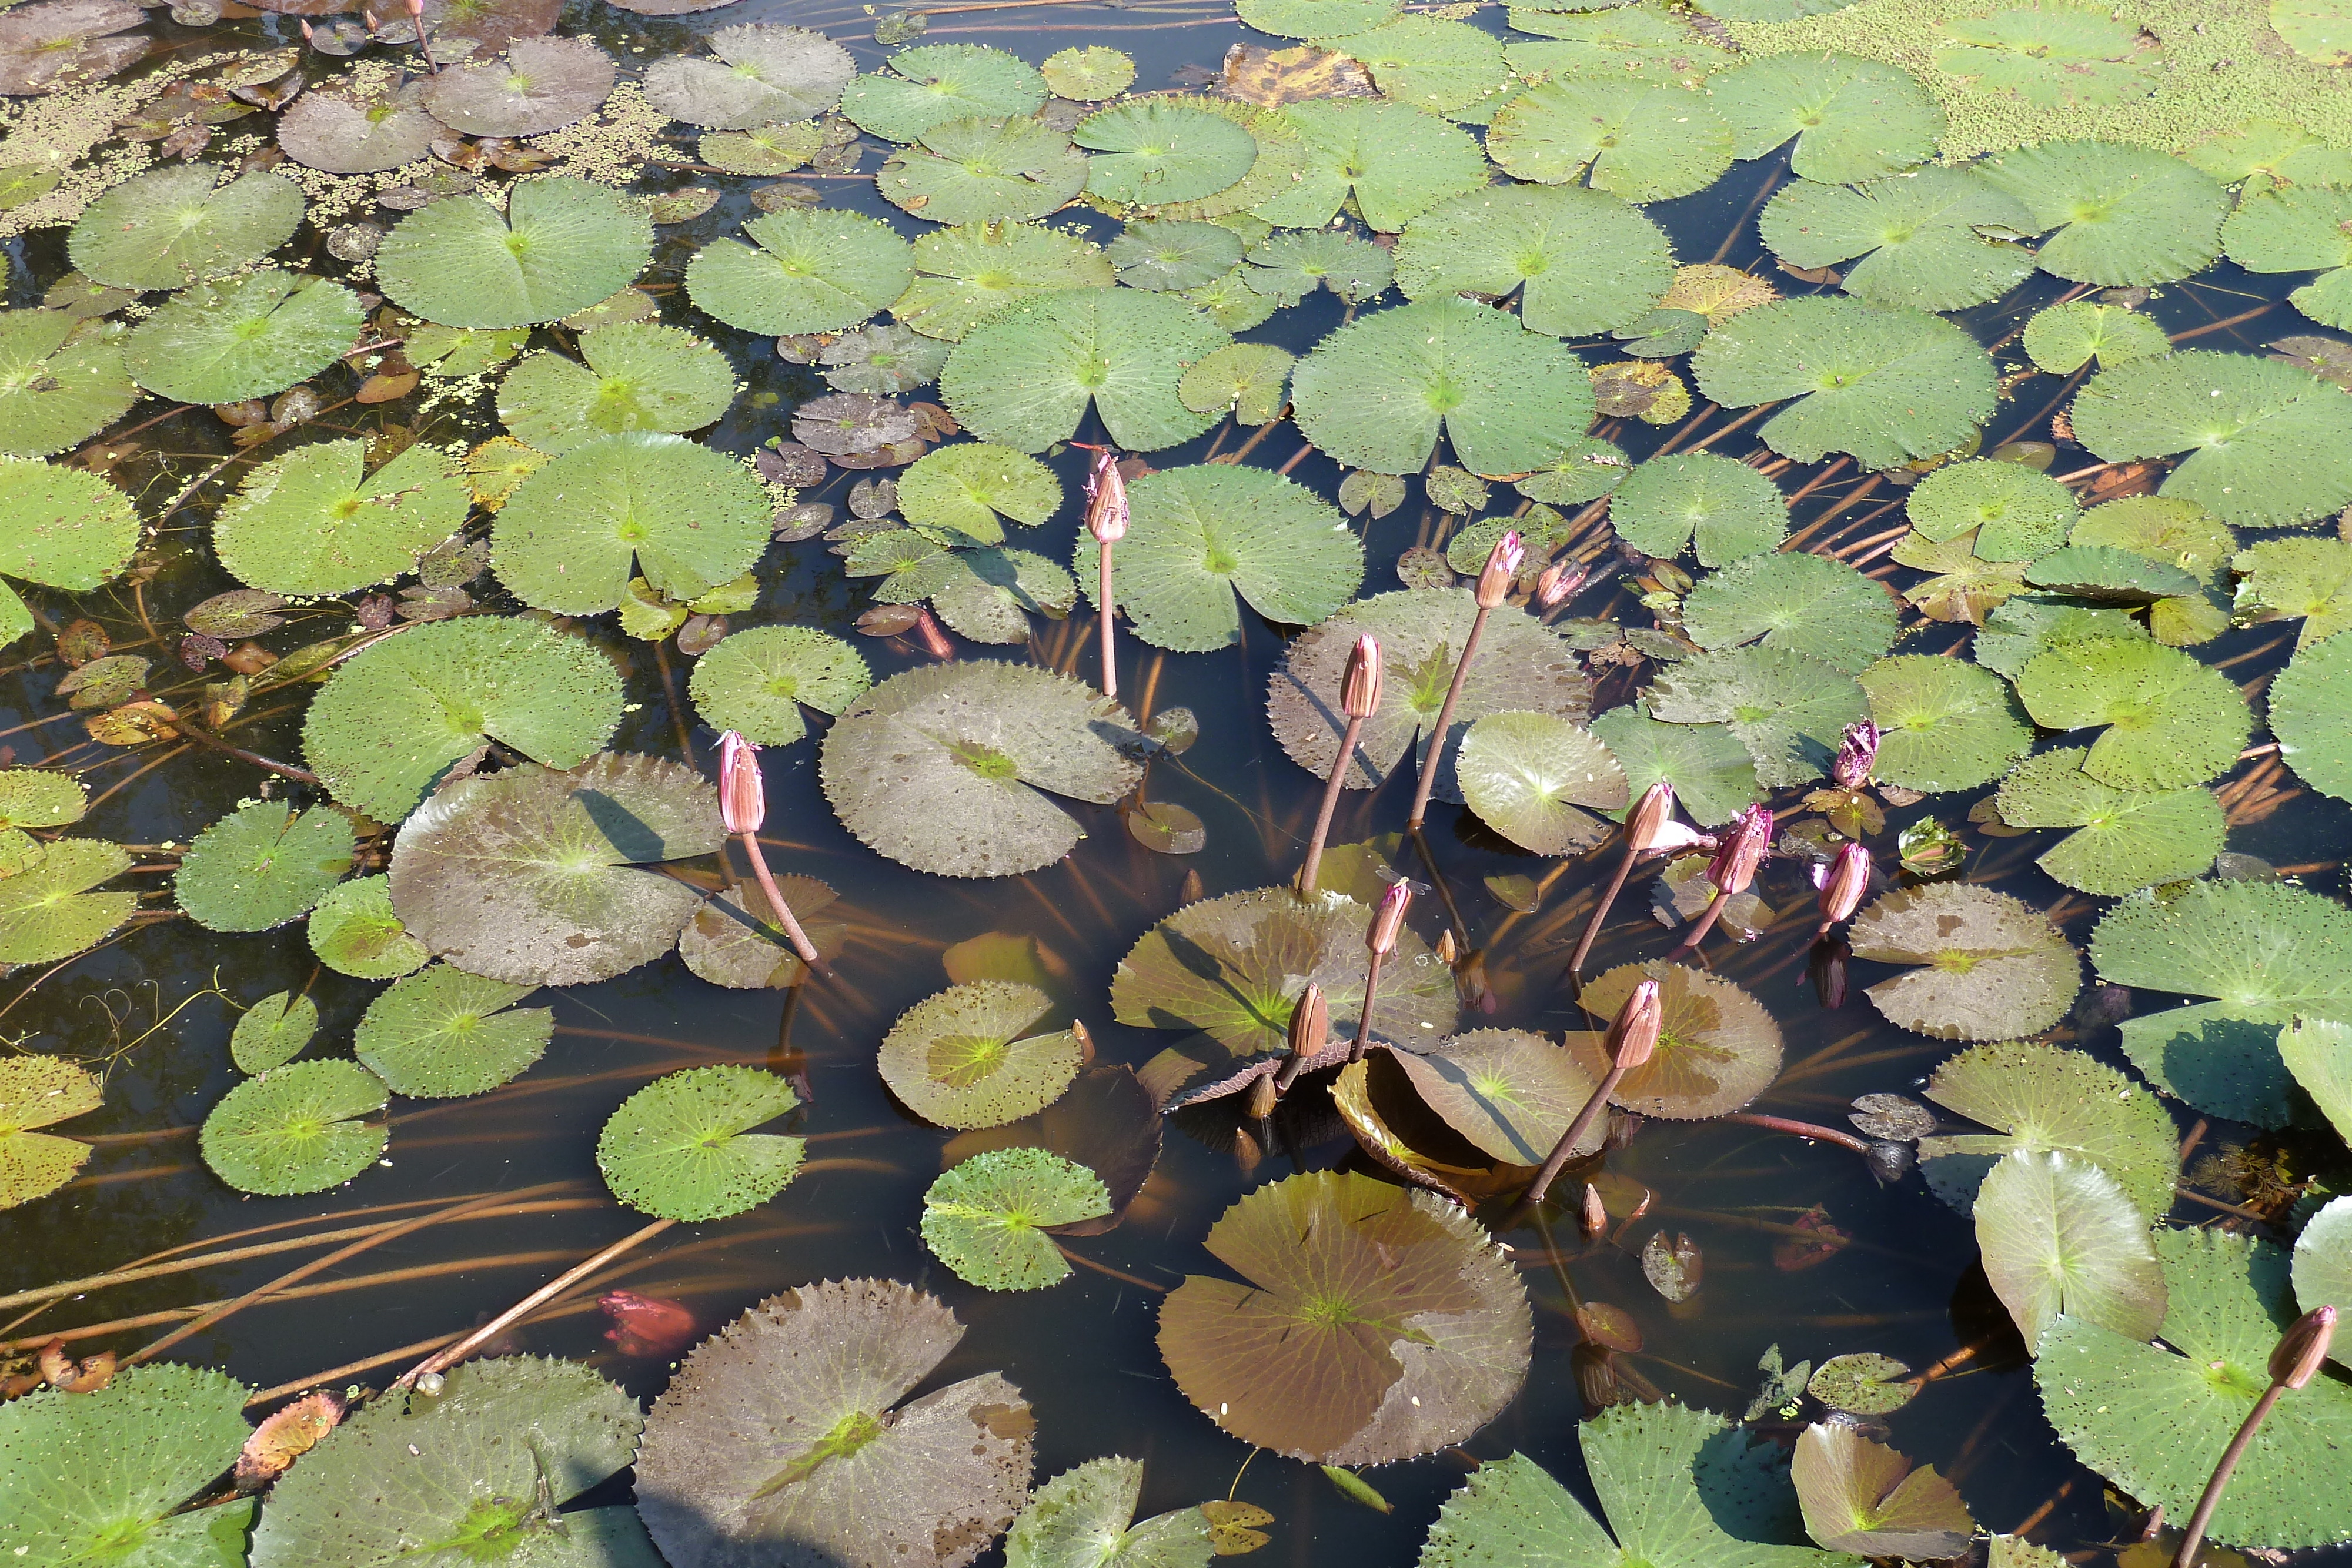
[67, 1375]
[1233, 1530]
[1272, 77]
[1819, 1242]
[285, 1436]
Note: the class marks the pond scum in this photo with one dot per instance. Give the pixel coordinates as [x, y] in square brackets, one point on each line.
[1989, 525]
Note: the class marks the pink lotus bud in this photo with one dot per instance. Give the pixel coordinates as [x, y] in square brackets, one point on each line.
[1857, 753]
[742, 797]
[2303, 1349]
[1647, 823]
[1359, 693]
[1596, 1214]
[1633, 1034]
[1389, 919]
[1559, 579]
[1310, 1022]
[1502, 566]
[417, 9]
[1843, 881]
[1741, 849]
[1105, 499]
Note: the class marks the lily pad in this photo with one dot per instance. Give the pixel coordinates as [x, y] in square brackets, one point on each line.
[273, 1031]
[1203, 540]
[1581, 260]
[986, 1220]
[947, 769]
[1152, 150]
[2263, 951]
[1862, 1383]
[2170, 721]
[485, 1462]
[1250, 381]
[2064, 338]
[2103, 573]
[765, 75]
[811, 271]
[1810, 605]
[59, 528]
[1315, 18]
[354, 932]
[1441, 66]
[2322, 1262]
[1083, 1517]
[345, 133]
[2155, 1419]
[2130, 838]
[1510, 1093]
[1718, 1047]
[2309, 579]
[1789, 710]
[560, 245]
[1730, 508]
[1643, 143]
[2059, 1235]
[2114, 214]
[881, 359]
[541, 85]
[1530, 777]
[967, 274]
[252, 336]
[2270, 444]
[397, 717]
[1395, 161]
[981, 169]
[756, 681]
[39, 1091]
[59, 384]
[2029, 624]
[1173, 256]
[1713, 775]
[314, 521]
[2052, 55]
[177, 225]
[296, 1129]
[263, 865]
[1287, 267]
[2015, 512]
[2265, 151]
[1943, 724]
[47, 911]
[1863, 1497]
[1853, 119]
[1988, 966]
[959, 1058]
[682, 1147]
[1088, 75]
[930, 86]
[2318, 1052]
[1379, 1323]
[1025, 376]
[972, 487]
[64, 43]
[735, 939]
[1376, 394]
[1921, 237]
[2311, 719]
[442, 1033]
[640, 375]
[1886, 385]
[687, 516]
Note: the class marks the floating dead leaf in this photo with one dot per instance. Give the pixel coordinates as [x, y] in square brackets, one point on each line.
[285, 1436]
[1272, 77]
[850, 424]
[133, 724]
[1232, 1526]
[61, 1371]
[81, 641]
[1819, 1242]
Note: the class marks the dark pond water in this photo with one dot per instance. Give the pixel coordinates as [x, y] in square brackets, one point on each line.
[1083, 1352]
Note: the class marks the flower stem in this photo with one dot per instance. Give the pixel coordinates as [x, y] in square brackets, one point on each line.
[1601, 912]
[1541, 1185]
[1102, 598]
[1330, 802]
[1364, 1023]
[801, 943]
[1446, 721]
[1700, 928]
[1799, 1129]
[2211, 1499]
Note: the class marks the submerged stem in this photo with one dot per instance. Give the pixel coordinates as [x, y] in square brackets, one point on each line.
[1541, 1185]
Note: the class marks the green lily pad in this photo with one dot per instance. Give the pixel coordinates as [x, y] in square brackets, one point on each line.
[1315, 18]
[959, 1058]
[682, 1147]
[1886, 385]
[1853, 119]
[1799, 603]
[442, 1033]
[757, 680]
[1083, 1517]
[1088, 75]
[1986, 965]
[1530, 777]
[354, 931]
[1396, 161]
[273, 1031]
[1287, 267]
[540, 85]
[59, 384]
[1943, 724]
[2060, 1235]
[2318, 1052]
[939, 82]
[2038, 1098]
[252, 336]
[560, 245]
[1732, 511]
[1635, 42]
[296, 1129]
[1863, 1497]
[983, 170]
[1156, 149]
[2306, 579]
[1921, 237]
[2131, 838]
[315, 521]
[2103, 573]
[2270, 445]
[2315, 29]
[2114, 214]
[528, 876]
[263, 867]
[2029, 624]
[138, 1448]
[987, 1219]
[1644, 144]
[1718, 1047]
[688, 518]
[2154, 1420]
[764, 75]
[986, 595]
[1787, 710]
[2311, 719]
[2064, 338]
[38, 797]
[1025, 377]
[47, 910]
[806, 271]
[2015, 512]
[1376, 394]
[1250, 381]
[485, 1464]
[2264, 951]
[1862, 1383]
[972, 487]
[2164, 529]
[2170, 721]
[1581, 260]
[2053, 55]
[59, 528]
[1300, 1359]
[1510, 1093]
[174, 226]
[881, 359]
[968, 274]
[1235, 966]
[640, 375]
[1442, 67]
[2323, 1260]
[947, 769]
[2267, 151]
[39, 1091]
[759, 1449]
[1203, 540]
[1713, 775]
[1173, 256]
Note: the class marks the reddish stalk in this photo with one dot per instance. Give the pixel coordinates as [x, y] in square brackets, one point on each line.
[1494, 588]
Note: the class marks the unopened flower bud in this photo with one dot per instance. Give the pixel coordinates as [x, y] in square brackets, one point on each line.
[1652, 815]
[1263, 1096]
[1310, 1022]
[1389, 919]
[1857, 754]
[2301, 1351]
[1843, 881]
[417, 9]
[1596, 1214]
[742, 797]
[1501, 567]
[1559, 579]
[1741, 849]
[1633, 1034]
[1359, 692]
[1105, 499]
